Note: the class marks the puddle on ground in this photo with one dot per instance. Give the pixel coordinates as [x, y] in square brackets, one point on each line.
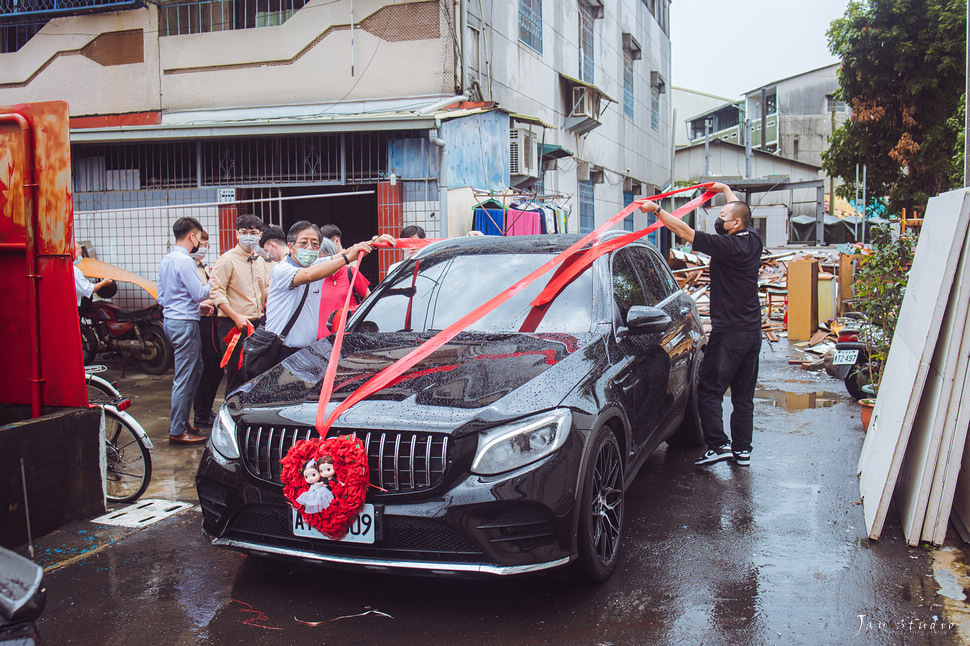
[795, 401]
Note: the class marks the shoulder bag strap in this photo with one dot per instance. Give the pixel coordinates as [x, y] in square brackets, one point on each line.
[296, 312]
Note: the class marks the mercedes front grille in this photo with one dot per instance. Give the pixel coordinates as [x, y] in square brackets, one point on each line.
[399, 461]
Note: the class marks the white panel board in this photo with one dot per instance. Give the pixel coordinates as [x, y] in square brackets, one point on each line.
[916, 476]
[941, 240]
[954, 445]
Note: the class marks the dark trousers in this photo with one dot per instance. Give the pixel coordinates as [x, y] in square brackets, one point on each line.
[234, 376]
[731, 359]
[212, 374]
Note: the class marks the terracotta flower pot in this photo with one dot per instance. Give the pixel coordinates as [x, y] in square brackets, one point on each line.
[866, 406]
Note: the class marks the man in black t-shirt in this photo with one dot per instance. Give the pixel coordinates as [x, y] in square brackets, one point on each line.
[731, 358]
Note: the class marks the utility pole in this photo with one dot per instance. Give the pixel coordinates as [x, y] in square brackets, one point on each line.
[835, 104]
[747, 148]
[863, 203]
[707, 149]
[764, 119]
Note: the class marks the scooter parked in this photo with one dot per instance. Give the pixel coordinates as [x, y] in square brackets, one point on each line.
[136, 335]
[22, 598]
[852, 356]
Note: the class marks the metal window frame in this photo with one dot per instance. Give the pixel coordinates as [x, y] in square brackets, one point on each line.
[530, 24]
[586, 198]
[629, 104]
[587, 43]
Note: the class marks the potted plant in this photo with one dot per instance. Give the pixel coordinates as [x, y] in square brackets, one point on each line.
[880, 284]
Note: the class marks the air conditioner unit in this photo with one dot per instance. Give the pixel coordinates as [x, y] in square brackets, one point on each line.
[523, 160]
[582, 103]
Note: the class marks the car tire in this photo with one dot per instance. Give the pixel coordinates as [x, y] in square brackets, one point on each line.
[601, 509]
[689, 434]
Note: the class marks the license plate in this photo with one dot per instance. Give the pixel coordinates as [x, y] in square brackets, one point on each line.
[845, 357]
[362, 530]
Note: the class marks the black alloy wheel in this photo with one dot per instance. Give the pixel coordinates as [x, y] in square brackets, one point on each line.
[601, 523]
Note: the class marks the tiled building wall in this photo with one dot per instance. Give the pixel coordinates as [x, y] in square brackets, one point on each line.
[133, 230]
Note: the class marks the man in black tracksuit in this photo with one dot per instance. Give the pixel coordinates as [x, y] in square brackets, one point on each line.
[734, 344]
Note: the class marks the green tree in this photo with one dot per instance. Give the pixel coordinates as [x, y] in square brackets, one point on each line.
[903, 66]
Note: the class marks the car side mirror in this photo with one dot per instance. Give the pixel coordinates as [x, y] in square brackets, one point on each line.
[643, 319]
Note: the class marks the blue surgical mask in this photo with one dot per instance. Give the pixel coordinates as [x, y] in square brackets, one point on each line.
[200, 253]
[305, 257]
[77, 261]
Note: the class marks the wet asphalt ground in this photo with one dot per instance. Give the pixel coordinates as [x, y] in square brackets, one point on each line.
[775, 553]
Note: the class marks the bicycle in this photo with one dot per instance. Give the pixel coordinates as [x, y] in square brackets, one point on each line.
[128, 462]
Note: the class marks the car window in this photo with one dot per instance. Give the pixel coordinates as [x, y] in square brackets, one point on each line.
[627, 291]
[446, 289]
[655, 278]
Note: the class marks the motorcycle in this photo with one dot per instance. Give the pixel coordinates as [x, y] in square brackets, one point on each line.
[137, 335]
[22, 598]
[852, 355]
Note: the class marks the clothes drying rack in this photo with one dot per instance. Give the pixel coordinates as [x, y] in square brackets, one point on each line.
[504, 200]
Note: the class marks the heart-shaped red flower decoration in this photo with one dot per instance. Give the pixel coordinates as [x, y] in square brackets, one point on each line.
[335, 503]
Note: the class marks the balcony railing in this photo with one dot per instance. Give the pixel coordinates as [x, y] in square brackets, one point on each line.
[23, 8]
[179, 18]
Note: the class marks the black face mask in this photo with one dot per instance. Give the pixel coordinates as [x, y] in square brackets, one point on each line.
[195, 249]
[719, 227]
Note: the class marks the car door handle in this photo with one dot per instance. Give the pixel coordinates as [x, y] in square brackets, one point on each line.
[628, 382]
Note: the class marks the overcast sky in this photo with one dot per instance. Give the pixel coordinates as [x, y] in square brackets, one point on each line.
[727, 48]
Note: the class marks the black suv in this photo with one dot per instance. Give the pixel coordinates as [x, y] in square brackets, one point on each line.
[505, 451]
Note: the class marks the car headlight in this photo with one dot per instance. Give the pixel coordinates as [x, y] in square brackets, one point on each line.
[515, 445]
[223, 435]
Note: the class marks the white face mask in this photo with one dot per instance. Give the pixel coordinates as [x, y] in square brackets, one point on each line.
[200, 254]
[304, 257]
[248, 241]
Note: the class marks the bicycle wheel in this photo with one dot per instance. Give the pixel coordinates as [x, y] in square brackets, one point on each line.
[99, 392]
[128, 467]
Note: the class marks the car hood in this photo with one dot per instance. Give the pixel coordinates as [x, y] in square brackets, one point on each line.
[471, 371]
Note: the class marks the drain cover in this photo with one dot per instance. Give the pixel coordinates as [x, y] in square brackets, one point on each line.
[143, 513]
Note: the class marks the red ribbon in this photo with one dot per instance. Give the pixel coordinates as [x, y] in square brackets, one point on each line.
[389, 374]
[231, 340]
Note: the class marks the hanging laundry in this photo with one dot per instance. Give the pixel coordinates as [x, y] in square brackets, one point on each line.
[522, 223]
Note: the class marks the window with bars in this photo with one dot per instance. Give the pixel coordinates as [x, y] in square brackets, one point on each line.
[628, 198]
[178, 18]
[15, 33]
[663, 14]
[587, 212]
[655, 108]
[253, 161]
[60, 7]
[530, 23]
[628, 104]
[586, 18]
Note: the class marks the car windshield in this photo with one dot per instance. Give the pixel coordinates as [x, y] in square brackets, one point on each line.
[446, 289]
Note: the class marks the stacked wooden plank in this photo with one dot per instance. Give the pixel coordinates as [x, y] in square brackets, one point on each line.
[916, 441]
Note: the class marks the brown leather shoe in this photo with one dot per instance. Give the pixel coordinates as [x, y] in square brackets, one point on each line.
[186, 438]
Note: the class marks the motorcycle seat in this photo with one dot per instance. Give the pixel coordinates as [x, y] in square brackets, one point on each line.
[147, 313]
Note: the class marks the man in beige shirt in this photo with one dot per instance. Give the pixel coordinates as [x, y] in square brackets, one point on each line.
[240, 280]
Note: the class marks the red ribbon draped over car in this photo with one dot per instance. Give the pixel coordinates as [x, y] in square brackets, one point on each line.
[578, 263]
